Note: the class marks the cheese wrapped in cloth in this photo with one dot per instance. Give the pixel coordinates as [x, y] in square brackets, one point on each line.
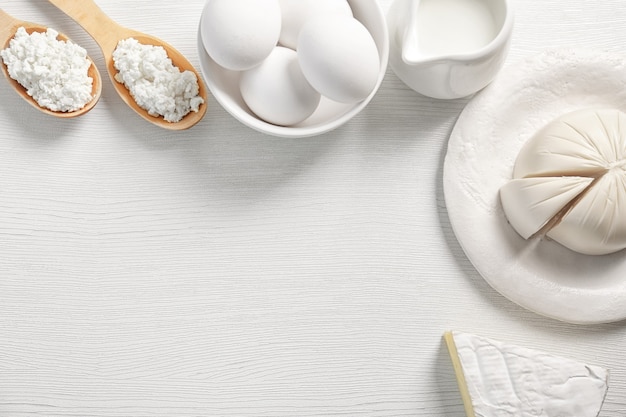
[569, 183]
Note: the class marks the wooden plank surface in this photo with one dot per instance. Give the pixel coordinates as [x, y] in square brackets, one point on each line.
[221, 272]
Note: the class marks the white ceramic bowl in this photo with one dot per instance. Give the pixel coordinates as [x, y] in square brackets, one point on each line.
[224, 84]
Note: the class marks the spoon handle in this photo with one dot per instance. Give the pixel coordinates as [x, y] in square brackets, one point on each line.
[100, 26]
[8, 26]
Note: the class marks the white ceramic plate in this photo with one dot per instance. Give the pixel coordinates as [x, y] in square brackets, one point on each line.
[540, 275]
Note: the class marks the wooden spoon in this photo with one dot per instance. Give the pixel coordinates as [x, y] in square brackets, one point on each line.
[8, 27]
[107, 34]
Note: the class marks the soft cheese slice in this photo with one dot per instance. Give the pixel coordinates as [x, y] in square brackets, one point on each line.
[595, 225]
[583, 142]
[586, 143]
[530, 203]
[497, 379]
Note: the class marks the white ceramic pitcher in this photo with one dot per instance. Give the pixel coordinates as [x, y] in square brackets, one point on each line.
[448, 49]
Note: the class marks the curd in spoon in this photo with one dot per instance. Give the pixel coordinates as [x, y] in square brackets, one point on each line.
[8, 28]
[107, 33]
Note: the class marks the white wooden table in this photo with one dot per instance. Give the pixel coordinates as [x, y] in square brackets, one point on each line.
[221, 272]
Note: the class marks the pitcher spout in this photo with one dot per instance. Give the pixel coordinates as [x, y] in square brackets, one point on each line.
[411, 53]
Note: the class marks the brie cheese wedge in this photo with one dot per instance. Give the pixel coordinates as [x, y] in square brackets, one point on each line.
[498, 379]
[569, 183]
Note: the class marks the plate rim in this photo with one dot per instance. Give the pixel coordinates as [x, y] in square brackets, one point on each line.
[536, 293]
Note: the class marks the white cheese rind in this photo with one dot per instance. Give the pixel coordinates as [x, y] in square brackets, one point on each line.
[586, 143]
[505, 380]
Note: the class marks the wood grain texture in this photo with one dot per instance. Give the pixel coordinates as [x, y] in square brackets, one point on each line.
[220, 272]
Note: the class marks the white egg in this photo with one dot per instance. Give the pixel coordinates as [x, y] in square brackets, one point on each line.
[295, 13]
[239, 34]
[276, 90]
[339, 57]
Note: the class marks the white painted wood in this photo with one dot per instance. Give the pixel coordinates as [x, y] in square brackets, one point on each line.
[220, 272]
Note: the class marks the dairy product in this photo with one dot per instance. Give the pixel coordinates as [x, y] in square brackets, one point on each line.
[569, 182]
[53, 72]
[154, 82]
[538, 200]
[447, 27]
[498, 379]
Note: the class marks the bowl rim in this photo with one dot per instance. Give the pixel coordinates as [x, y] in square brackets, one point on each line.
[253, 122]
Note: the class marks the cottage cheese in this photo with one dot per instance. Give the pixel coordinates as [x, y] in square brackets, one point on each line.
[53, 72]
[154, 82]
